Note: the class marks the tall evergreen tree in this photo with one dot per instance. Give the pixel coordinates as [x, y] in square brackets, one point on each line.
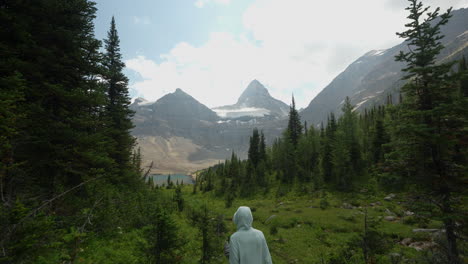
[254, 148]
[262, 147]
[429, 128]
[346, 156]
[294, 129]
[164, 239]
[50, 67]
[327, 143]
[118, 111]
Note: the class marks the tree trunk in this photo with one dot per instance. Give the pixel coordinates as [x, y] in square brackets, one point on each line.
[452, 250]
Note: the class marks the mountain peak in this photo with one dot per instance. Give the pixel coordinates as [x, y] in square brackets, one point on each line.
[255, 101]
[254, 90]
[139, 100]
[179, 91]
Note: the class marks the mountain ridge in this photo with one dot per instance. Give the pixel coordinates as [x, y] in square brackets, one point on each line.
[376, 74]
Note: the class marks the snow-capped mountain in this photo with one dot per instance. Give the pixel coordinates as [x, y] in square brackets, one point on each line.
[255, 101]
[180, 134]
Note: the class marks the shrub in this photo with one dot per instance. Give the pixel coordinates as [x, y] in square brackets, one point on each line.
[324, 204]
[273, 230]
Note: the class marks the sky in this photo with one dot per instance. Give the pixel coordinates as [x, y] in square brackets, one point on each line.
[212, 49]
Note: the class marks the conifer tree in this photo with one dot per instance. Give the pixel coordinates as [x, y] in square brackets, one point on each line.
[118, 101]
[428, 129]
[346, 155]
[254, 147]
[179, 199]
[262, 147]
[294, 129]
[327, 144]
[163, 238]
[50, 106]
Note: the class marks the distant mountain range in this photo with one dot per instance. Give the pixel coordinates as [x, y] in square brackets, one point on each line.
[181, 135]
[369, 79]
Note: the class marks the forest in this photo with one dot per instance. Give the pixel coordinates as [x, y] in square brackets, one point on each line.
[350, 190]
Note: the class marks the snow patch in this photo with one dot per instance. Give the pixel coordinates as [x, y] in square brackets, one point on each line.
[359, 104]
[246, 111]
[141, 101]
[466, 32]
[378, 52]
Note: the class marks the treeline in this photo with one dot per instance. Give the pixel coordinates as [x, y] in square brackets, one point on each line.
[69, 179]
[418, 145]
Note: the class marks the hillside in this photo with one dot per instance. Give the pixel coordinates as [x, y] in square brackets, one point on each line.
[369, 79]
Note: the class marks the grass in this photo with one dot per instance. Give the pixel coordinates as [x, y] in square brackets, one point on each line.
[302, 231]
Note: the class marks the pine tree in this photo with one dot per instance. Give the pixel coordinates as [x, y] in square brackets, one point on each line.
[254, 147]
[327, 144]
[118, 101]
[294, 129]
[163, 238]
[51, 107]
[430, 122]
[346, 155]
[262, 147]
[179, 199]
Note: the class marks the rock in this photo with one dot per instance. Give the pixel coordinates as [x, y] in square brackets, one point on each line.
[347, 206]
[396, 257]
[425, 230]
[406, 241]
[408, 213]
[422, 245]
[389, 212]
[390, 218]
[389, 197]
[372, 204]
[378, 203]
[269, 219]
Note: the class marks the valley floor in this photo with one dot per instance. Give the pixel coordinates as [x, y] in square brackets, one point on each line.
[314, 228]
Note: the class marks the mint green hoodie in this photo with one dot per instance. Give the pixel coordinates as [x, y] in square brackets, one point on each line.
[247, 245]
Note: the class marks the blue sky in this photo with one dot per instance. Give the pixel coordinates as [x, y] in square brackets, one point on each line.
[212, 49]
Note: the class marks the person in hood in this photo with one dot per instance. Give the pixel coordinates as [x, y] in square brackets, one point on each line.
[247, 245]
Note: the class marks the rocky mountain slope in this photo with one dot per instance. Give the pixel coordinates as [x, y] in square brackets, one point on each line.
[369, 79]
[179, 134]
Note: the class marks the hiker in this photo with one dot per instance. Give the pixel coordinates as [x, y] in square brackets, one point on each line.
[247, 245]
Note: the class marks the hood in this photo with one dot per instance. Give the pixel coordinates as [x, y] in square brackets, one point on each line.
[243, 218]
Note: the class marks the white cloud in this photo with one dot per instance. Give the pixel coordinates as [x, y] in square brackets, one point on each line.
[202, 3]
[141, 20]
[298, 47]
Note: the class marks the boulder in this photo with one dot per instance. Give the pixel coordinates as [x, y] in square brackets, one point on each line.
[408, 213]
[271, 217]
[406, 241]
[389, 197]
[347, 206]
[390, 218]
[389, 212]
[425, 230]
[422, 245]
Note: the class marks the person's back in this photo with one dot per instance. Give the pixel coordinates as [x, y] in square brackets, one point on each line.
[247, 245]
